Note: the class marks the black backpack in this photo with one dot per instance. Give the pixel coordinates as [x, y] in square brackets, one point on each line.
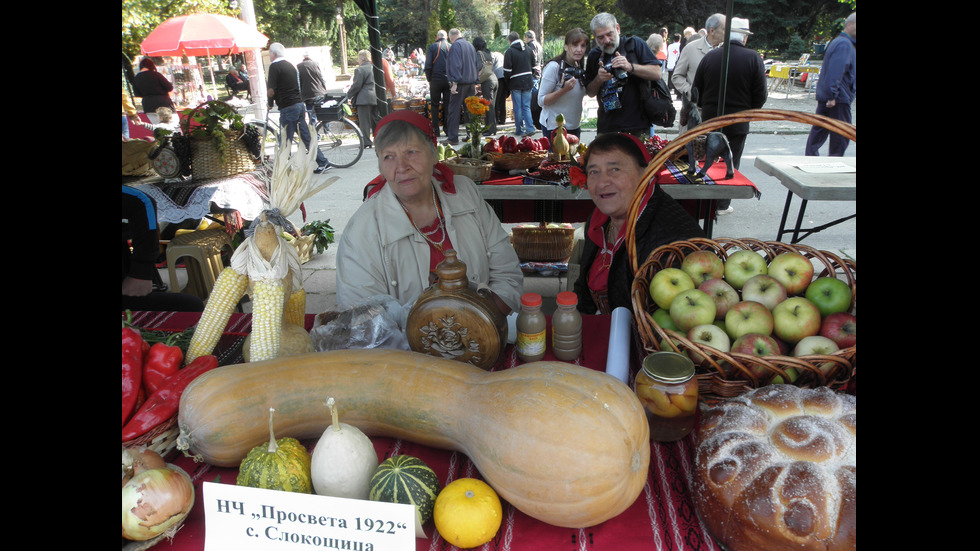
[658, 105]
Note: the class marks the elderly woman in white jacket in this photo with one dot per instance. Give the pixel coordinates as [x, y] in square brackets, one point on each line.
[413, 212]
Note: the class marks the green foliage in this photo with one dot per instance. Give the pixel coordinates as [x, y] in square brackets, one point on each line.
[447, 15]
[323, 234]
[518, 17]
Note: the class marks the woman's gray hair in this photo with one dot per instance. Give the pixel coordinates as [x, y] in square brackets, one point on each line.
[602, 20]
[363, 55]
[277, 49]
[655, 41]
[399, 132]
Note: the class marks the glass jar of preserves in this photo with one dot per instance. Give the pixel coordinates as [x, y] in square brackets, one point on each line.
[668, 391]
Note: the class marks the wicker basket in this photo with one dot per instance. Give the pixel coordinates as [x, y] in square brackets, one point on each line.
[205, 163]
[477, 170]
[723, 375]
[161, 438]
[517, 161]
[543, 244]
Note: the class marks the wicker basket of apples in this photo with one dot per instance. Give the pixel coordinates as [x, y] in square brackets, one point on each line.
[799, 354]
[750, 313]
[507, 153]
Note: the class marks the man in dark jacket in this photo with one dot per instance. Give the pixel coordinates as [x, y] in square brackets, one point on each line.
[619, 90]
[836, 89]
[312, 87]
[463, 72]
[745, 89]
[435, 73]
[283, 85]
[518, 67]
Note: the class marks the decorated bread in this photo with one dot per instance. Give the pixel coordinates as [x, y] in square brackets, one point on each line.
[776, 469]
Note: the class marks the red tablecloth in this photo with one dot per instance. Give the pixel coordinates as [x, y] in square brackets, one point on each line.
[662, 517]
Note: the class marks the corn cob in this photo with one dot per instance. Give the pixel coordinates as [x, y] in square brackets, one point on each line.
[296, 308]
[267, 311]
[228, 290]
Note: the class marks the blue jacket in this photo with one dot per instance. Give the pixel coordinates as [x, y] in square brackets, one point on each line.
[463, 66]
[838, 74]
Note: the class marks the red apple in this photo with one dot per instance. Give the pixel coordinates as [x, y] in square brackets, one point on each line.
[840, 328]
[764, 289]
[702, 266]
[793, 270]
[756, 344]
[795, 318]
[724, 295]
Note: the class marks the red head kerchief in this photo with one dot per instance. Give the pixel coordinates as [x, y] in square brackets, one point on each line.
[441, 172]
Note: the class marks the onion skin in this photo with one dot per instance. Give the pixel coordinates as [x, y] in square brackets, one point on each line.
[155, 500]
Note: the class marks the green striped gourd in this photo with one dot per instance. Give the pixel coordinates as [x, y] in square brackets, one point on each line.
[406, 479]
[282, 464]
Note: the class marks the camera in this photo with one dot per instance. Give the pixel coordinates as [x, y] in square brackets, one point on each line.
[620, 74]
[575, 72]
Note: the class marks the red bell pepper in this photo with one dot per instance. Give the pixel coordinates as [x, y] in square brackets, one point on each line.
[132, 370]
[162, 361]
[163, 404]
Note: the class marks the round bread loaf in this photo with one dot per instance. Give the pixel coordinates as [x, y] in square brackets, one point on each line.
[776, 469]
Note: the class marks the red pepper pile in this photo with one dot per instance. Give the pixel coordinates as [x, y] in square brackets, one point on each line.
[153, 379]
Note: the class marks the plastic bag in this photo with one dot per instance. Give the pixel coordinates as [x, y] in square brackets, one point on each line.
[374, 322]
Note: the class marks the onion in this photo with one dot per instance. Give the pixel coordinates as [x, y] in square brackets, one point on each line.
[155, 500]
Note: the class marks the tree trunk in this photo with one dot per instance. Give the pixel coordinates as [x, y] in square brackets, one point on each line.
[535, 18]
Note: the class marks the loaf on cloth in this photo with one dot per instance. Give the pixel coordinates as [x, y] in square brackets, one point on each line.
[776, 469]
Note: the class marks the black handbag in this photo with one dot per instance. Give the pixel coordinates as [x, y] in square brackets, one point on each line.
[657, 105]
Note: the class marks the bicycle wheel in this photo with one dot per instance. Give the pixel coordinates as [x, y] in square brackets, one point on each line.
[340, 141]
[271, 133]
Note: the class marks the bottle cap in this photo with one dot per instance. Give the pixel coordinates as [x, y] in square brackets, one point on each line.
[531, 299]
[567, 298]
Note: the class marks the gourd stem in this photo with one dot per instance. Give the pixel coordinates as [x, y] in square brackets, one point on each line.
[273, 446]
[332, 404]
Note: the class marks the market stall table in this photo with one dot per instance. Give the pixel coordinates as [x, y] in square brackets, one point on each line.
[811, 179]
[662, 517]
[177, 201]
[525, 199]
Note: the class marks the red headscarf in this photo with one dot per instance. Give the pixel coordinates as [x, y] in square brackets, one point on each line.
[441, 172]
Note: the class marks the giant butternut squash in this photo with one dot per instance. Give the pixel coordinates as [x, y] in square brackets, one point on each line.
[565, 444]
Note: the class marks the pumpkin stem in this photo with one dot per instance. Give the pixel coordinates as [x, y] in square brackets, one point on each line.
[332, 404]
[273, 446]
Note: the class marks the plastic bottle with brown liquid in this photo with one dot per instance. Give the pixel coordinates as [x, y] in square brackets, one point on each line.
[531, 329]
[566, 328]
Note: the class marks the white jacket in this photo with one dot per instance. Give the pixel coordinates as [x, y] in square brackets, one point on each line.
[381, 253]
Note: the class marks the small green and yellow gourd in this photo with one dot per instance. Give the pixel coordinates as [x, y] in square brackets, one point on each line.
[406, 479]
[282, 464]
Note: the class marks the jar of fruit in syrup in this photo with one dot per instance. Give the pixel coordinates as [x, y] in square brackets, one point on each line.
[669, 392]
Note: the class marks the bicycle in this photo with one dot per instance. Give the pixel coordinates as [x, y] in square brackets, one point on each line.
[338, 137]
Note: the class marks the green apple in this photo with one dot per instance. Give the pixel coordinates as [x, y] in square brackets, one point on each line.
[830, 295]
[724, 295]
[691, 308]
[793, 270]
[662, 317]
[746, 317]
[742, 265]
[702, 266]
[795, 318]
[710, 335]
[817, 344]
[764, 289]
[666, 283]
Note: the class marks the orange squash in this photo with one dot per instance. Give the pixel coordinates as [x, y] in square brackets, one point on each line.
[565, 444]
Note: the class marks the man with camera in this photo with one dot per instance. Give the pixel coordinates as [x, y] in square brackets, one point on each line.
[615, 72]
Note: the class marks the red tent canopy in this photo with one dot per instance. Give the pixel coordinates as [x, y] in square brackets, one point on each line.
[202, 34]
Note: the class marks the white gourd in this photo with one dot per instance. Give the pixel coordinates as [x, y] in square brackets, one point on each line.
[343, 460]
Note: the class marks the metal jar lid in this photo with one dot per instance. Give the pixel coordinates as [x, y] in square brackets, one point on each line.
[668, 367]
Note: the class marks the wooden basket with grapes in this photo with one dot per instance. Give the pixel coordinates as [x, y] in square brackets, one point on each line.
[216, 132]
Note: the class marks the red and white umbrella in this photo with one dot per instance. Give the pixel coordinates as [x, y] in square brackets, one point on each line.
[202, 34]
